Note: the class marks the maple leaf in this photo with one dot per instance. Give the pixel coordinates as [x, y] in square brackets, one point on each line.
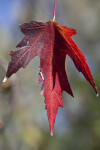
[51, 42]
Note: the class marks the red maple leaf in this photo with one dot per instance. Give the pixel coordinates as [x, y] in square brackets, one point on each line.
[51, 42]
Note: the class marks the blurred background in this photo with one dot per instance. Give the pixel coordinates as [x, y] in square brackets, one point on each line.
[23, 119]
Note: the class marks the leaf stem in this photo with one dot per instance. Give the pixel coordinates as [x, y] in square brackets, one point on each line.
[54, 10]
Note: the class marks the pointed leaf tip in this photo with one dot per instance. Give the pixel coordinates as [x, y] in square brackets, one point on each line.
[51, 133]
[97, 95]
[5, 79]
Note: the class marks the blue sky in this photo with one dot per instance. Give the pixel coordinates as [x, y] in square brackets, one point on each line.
[7, 11]
[9, 8]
